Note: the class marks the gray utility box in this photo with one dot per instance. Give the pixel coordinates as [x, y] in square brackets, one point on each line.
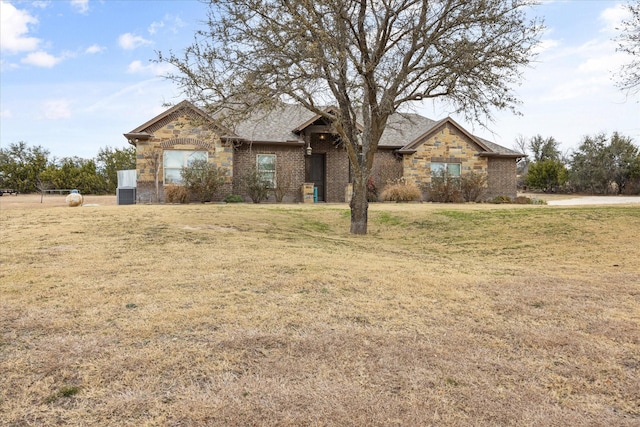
[126, 191]
[126, 196]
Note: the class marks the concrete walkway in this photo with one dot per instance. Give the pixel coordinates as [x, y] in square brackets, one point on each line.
[594, 200]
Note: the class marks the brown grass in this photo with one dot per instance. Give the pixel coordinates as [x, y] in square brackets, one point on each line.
[275, 315]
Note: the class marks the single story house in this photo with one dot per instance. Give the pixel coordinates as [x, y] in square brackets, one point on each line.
[297, 142]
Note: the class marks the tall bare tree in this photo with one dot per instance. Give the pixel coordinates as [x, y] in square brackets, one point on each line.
[366, 58]
[629, 42]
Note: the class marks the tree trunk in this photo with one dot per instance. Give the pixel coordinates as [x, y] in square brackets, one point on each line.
[359, 206]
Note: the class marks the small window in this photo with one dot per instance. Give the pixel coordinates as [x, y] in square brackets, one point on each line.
[266, 167]
[175, 160]
[453, 169]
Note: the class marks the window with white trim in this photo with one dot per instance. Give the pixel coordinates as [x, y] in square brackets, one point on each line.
[453, 169]
[175, 160]
[266, 167]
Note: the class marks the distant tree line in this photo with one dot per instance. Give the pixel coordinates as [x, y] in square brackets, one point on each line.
[600, 165]
[30, 169]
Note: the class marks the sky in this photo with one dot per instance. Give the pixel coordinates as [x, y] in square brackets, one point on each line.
[77, 74]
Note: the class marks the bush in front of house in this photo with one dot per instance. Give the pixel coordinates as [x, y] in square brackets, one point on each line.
[283, 181]
[255, 185]
[176, 194]
[202, 179]
[498, 200]
[372, 190]
[401, 190]
[445, 188]
[234, 198]
[473, 186]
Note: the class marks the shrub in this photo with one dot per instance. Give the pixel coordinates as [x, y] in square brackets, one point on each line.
[284, 181]
[176, 194]
[202, 179]
[401, 191]
[500, 200]
[522, 200]
[472, 186]
[234, 198]
[445, 189]
[548, 175]
[256, 187]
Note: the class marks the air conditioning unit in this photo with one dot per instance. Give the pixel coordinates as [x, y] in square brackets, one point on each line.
[126, 196]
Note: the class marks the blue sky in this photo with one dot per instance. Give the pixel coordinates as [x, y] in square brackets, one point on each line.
[76, 74]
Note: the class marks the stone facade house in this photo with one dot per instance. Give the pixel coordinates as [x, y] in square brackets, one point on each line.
[294, 143]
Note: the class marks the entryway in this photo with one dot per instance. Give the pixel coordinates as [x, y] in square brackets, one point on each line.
[315, 173]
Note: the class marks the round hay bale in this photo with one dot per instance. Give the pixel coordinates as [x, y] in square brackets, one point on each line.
[74, 199]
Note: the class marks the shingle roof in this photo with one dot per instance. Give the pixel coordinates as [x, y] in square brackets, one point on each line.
[499, 149]
[403, 131]
[274, 126]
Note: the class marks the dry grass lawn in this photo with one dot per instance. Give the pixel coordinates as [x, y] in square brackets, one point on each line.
[190, 315]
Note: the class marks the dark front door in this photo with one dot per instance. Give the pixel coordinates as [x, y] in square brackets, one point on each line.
[316, 172]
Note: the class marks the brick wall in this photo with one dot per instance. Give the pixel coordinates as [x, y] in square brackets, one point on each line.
[386, 167]
[291, 159]
[337, 169]
[501, 179]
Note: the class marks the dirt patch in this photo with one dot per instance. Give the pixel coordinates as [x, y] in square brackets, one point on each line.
[36, 201]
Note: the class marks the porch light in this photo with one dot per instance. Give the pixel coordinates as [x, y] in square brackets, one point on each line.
[308, 148]
[323, 136]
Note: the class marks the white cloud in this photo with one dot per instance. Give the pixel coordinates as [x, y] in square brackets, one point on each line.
[82, 6]
[94, 49]
[169, 23]
[612, 17]
[153, 28]
[137, 67]
[14, 29]
[41, 59]
[55, 109]
[6, 113]
[129, 41]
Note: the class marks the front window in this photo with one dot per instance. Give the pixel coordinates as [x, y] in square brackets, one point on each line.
[175, 160]
[453, 170]
[266, 167]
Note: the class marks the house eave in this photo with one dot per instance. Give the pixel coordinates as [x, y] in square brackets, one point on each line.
[406, 151]
[290, 143]
[501, 155]
[134, 137]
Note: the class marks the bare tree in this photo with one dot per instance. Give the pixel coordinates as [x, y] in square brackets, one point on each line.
[366, 58]
[522, 165]
[42, 187]
[629, 42]
[153, 158]
[284, 181]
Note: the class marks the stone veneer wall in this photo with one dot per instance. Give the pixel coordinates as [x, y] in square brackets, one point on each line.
[447, 145]
[181, 133]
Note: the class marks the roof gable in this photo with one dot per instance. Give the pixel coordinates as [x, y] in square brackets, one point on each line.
[413, 145]
[184, 108]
